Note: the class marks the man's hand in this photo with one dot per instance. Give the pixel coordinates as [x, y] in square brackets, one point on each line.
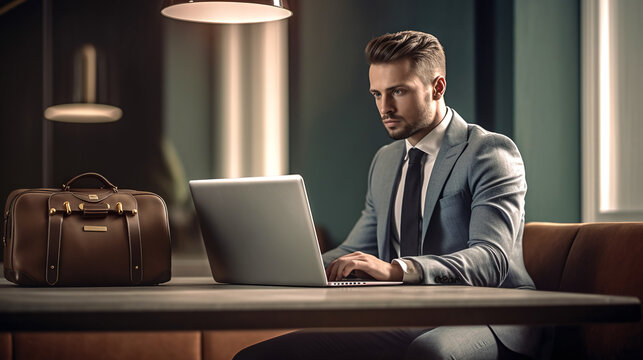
[362, 263]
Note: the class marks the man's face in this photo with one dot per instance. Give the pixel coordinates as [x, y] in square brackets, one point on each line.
[404, 102]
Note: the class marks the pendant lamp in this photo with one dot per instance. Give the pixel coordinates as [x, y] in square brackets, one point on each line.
[84, 109]
[226, 12]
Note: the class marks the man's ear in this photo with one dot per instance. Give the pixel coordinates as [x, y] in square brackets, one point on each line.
[439, 87]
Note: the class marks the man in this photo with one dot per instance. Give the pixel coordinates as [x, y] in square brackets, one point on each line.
[444, 205]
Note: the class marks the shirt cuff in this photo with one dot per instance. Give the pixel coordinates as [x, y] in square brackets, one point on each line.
[412, 275]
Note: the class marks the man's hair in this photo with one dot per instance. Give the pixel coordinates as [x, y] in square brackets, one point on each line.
[424, 50]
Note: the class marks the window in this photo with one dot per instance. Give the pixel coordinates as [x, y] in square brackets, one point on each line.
[612, 110]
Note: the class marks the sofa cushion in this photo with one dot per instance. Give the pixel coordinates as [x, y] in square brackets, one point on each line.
[107, 345]
[545, 249]
[606, 258]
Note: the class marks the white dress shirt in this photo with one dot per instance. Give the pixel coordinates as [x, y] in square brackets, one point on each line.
[430, 144]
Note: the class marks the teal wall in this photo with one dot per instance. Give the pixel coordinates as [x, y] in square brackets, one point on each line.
[188, 95]
[547, 106]
[334, 124]
[335, 128]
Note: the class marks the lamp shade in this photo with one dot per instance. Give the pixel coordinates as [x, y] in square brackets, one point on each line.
[84, 109]
[83, 113]
[226, 12]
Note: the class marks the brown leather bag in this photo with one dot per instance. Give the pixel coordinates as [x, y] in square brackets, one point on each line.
[86, 237]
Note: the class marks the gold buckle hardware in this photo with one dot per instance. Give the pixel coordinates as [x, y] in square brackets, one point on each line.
[67, 207]
[120, 211]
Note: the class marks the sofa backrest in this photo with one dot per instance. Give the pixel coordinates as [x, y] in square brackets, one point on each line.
[545, 250]
[602, 258]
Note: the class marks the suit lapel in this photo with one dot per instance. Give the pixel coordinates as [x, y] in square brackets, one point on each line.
[394, 160]
[455, 140]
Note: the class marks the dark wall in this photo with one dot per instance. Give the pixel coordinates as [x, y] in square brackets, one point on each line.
[20, 97]
[127, 38]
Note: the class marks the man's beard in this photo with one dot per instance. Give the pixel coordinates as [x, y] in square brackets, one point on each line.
[405, 133]
[419, 126]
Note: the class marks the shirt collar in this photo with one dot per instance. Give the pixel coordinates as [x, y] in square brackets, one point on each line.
[431, 143]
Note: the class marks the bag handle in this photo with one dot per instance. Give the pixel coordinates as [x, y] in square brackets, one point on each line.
[94, 175]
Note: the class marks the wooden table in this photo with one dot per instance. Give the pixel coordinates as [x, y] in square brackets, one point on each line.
[200, 304]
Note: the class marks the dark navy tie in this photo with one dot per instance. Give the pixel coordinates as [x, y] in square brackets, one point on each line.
[411, 224]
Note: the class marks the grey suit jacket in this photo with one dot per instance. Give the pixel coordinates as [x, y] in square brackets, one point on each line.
[473, 215]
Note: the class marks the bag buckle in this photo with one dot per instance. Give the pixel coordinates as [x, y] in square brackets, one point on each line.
[95, 210]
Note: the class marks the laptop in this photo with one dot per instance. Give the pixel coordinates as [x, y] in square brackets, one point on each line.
[260, 231]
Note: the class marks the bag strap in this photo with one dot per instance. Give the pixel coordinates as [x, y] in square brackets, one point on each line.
[94, 175]
[54, 235]
[135, 248]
